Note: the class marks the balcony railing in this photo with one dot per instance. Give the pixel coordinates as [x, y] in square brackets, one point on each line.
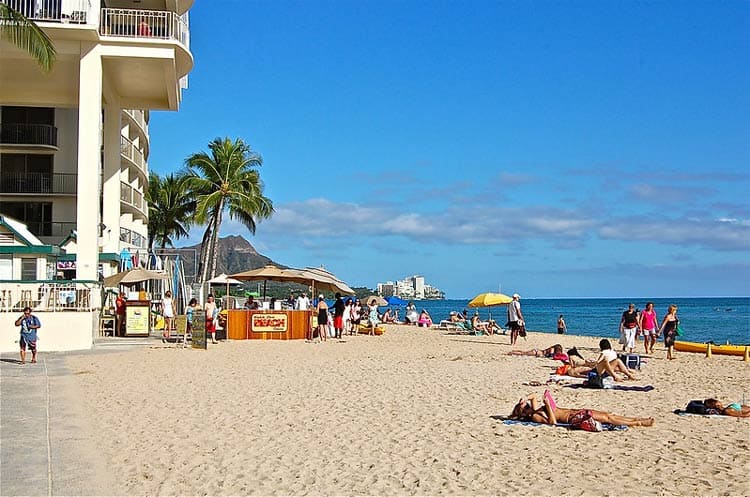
[132, 153]
[29, 183]
[67, 11]
[28, 134]
[47, 296]
[133, 238]
[53, 229]
[138, 116]
[145, 24]
[130, 195]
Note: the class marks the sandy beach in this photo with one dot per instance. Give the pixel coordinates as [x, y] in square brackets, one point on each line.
[412, 412]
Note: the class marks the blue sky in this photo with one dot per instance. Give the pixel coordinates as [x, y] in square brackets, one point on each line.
[554, 149]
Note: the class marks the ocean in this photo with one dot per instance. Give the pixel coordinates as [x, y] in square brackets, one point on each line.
[717, 319]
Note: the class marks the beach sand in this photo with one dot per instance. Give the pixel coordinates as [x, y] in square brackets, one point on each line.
[411, 412]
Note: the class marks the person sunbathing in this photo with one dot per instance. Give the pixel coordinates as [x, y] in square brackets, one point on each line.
[734, 409]
[528, 409]
[608, 363]
[555, 352]
[577, 366]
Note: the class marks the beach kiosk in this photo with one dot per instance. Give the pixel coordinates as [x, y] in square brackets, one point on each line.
[138, 306]
[277, 324]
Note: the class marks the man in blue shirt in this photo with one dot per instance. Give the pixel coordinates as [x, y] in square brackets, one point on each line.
[29, 324]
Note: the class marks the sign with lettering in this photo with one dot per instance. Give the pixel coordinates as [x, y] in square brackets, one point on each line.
[269, 322]
[137, 319]
[199, 329]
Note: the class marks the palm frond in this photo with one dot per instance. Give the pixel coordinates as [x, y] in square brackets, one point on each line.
[26, 35]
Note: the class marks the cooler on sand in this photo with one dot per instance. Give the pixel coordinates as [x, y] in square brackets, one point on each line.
[631, 361]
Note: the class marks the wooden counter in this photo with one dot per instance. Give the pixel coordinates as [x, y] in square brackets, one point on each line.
[268, 325]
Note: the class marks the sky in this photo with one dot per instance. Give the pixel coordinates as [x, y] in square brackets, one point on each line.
[553, 149]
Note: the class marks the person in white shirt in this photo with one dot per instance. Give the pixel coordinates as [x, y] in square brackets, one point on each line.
[302, 303]
[609, 363]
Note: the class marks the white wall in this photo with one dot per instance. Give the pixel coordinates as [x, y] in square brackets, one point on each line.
[60, 331]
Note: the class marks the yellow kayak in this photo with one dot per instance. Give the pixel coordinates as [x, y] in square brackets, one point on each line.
[715, 349]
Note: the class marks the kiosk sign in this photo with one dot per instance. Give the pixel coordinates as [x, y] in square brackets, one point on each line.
[199, 330]
[269, 322]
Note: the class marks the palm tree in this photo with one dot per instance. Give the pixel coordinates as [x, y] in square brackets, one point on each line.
[227, 179]
[25, 34]
[170, 209]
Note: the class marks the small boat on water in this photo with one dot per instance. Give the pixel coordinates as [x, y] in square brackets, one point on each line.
[715, 349]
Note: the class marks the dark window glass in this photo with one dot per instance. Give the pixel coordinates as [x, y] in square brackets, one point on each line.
[28, 269]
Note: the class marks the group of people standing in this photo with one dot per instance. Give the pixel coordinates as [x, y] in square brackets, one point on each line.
[343, 318]
[635, 323]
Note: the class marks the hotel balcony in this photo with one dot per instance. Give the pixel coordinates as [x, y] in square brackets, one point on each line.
[133, 238]
[29, 135]
[133, 156]
[38, 183]
[132, 202]
[145, 54]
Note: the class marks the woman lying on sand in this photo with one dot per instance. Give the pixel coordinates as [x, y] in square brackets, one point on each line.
[555, 352]
[529, 410]
[735, 409]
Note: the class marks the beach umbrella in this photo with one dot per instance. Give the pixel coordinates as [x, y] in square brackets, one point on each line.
[394, 300]
[490, 299]
[376, 300]
[223, 279]
[133, 276]
[272, 273]
[324, 280]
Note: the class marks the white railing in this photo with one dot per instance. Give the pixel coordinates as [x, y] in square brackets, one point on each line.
[145, 24]
[139, 117]
[131, 196]
[64, 11]
[132, 153]
[47, 296]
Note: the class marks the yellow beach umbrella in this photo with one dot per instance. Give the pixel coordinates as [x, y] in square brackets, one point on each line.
[489, 299]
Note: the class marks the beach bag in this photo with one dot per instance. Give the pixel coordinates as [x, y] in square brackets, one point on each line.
[696, 407]
[594, 380]
[631, 361]
[678, 330]
[584, 420]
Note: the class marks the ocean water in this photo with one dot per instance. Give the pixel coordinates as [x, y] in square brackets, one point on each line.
[720, 319]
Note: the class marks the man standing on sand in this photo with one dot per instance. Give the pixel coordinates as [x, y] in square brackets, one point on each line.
[515, 319]
[29, 324]
[338, 315]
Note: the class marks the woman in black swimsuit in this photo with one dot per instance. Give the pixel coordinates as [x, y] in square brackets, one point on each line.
[669, 328]
[322, 308]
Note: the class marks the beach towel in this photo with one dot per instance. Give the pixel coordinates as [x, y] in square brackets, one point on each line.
[682, 412]
[605, 426]
[560, 377]
[627, 388]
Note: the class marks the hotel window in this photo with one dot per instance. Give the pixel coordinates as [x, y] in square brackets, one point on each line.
[37, 216]
[28, 269]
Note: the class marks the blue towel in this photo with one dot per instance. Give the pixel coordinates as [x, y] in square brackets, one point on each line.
[605, 426]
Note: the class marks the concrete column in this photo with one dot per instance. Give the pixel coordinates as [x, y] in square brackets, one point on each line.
[111, 180]
[89, 144]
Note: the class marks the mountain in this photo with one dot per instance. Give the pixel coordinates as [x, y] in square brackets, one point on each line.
[235, 255]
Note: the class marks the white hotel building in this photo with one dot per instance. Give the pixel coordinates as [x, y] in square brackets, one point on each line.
[74, 143]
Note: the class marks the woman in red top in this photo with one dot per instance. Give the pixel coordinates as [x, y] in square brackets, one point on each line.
[120, 315]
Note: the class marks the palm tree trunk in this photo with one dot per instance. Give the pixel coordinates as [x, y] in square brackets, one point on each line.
[205, 249]
[215, 244]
